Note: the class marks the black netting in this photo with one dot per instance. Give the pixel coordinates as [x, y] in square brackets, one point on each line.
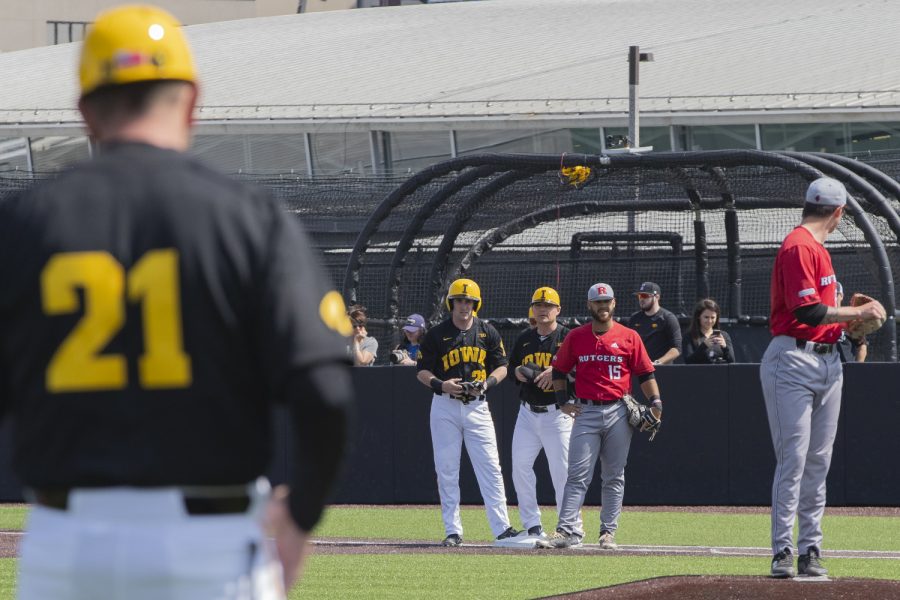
[510, 223]
[660, 222]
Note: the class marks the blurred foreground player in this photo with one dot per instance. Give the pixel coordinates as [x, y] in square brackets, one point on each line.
[151, 312]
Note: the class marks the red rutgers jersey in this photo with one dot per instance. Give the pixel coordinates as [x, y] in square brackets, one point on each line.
[604, 362]
[803, 275]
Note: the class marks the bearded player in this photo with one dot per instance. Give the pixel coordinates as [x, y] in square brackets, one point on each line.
[540, 423]
[606, 354]
[460, 360]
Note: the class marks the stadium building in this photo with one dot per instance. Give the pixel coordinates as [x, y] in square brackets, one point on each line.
[389, 91]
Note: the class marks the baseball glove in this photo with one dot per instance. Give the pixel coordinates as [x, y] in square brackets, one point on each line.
[472, 389]
[530, 371]
[860, 328]
[642, 417]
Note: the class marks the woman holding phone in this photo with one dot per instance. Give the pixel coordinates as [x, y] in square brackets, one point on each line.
[705, 343]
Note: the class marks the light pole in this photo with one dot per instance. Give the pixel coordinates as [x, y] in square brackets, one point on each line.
[633, 143]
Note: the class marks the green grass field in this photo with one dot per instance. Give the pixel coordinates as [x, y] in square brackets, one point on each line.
[513, 576]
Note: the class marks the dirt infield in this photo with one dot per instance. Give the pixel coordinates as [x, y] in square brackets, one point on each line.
[9, 543]
[745, 588]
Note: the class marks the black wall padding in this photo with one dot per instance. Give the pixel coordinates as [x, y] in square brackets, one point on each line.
[714, 447]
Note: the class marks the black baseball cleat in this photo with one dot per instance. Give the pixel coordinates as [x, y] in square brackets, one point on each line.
[536, 530]
[810, 563]
[783, 564]
[508, 533]
[452, 541]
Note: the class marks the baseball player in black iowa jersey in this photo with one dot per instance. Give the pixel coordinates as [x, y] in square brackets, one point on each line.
[540, 423]
[461, 359]
[151, 312]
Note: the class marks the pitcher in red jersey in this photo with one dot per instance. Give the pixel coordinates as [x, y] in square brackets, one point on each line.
[801, 377]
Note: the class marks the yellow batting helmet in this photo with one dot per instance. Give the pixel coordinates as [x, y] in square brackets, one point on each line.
[547, 295]
[134, 43]
[464, 288]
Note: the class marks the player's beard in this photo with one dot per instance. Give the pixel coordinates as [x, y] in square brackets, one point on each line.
[601, 316]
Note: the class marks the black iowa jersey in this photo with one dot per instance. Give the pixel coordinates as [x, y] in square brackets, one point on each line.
[469, 355]
[150, 311]
[530, 348]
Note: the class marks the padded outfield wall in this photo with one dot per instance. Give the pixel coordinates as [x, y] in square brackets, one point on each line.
[714, 447]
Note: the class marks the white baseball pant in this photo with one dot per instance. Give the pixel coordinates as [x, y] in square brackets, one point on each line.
[453, 422]
[141, 544]
[551, 431]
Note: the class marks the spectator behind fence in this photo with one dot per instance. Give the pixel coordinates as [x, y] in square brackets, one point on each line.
[849, 349]
[658, 327]
[705, 343]
[362, 348]
[407, 352]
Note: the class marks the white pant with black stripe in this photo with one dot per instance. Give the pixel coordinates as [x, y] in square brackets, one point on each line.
[551, 431]
[453, 422]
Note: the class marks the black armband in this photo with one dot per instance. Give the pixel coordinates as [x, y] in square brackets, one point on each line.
[811, 314]
[646, 377]
[490, 382]
[559, 375]
[437, 385]
[562, 397]
[655, 400]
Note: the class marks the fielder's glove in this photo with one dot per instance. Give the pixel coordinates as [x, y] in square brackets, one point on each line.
[472, 389]
[859, 328]
[530, 371]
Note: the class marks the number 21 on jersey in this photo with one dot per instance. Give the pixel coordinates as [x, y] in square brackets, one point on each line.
[78, 365]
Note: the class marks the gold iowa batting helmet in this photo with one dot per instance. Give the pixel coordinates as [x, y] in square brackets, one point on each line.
[129, 44]
[547, 295]
[464, 288]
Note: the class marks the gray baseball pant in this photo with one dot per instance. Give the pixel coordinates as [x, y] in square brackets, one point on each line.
[600, 431]
[802, 391]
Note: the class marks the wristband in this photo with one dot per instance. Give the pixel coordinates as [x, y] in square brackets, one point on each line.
[655, 400]
[490, 382]
[562, 397]
[437, 385]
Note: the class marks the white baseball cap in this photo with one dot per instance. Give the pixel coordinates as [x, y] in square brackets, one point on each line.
[600, 291]
[826, 191]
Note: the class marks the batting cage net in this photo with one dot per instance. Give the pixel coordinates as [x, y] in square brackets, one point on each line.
[699, 224]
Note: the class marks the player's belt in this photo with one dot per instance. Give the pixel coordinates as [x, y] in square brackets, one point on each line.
[601, 402]
[816, 347]
[203, 500]
[465, 399]
[536, 408]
